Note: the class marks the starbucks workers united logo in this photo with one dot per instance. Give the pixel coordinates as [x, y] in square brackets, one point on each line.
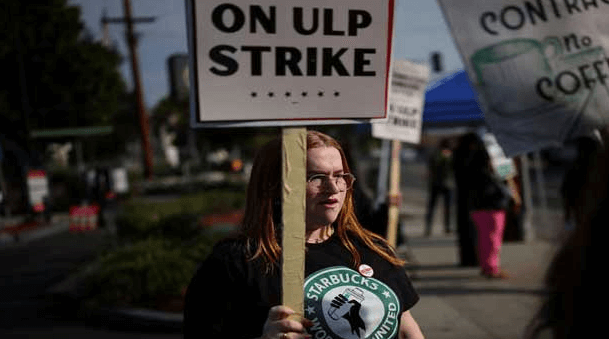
[344, 304]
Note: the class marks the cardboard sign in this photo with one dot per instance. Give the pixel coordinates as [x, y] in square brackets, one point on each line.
[38, 189]
[289, 60]
[406, 99]
[541, 68]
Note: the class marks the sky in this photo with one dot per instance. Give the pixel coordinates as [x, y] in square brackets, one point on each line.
[420, 29]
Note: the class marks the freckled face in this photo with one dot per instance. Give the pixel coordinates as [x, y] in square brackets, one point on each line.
[323, 203]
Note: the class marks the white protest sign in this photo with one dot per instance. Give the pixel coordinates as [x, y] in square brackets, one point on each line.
[120, 180]
[38, 189]
[503, 166]
[406, 99]
[289, 60]
[540, 67]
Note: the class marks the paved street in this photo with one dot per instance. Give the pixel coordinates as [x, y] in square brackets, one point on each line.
[27, 269]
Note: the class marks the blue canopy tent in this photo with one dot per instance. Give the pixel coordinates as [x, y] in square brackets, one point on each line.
[452, 102]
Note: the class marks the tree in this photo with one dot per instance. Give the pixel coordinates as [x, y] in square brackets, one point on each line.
[53, 74]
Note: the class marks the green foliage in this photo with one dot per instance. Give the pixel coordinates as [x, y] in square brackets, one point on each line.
[141, 224]
[162, 243]
[160, 265]
[177, 218]
[136, 223]
[209, 201]
[137, 274]
[53, 74]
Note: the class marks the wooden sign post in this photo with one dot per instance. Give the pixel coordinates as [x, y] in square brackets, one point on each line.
[294, 168]
[394, 194]
[406, 99]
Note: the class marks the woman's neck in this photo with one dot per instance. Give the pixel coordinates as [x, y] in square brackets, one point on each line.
[319, 234]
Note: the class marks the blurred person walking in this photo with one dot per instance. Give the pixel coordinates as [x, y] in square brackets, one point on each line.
[440, 184]
[489, 197]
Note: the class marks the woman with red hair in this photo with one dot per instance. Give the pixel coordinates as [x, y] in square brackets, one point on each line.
[355, 286]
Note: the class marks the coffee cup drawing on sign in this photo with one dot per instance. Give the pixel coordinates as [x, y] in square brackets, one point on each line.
[507, 73]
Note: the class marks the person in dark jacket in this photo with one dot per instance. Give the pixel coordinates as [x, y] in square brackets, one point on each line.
[440, 184]
[466, 231]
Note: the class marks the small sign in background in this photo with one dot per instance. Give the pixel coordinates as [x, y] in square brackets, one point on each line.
[406, 99]
[38, 189]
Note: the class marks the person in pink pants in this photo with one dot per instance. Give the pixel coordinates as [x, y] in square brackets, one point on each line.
[490, 225]
[489, 197]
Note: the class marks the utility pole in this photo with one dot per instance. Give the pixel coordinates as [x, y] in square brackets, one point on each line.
[141, 110]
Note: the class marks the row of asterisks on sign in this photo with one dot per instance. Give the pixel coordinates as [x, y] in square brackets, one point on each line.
[290, 94]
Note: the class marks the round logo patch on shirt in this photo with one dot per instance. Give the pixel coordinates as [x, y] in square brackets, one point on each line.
[344, 304]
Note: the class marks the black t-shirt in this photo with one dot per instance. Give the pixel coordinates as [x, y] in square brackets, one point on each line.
[229, 296]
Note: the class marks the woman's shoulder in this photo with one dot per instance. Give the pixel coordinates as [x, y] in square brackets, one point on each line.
[228, 256]
[377, 241]
[226, 252]
[230, 248]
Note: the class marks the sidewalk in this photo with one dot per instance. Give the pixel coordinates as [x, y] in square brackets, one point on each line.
[458, 302]
[17, 231]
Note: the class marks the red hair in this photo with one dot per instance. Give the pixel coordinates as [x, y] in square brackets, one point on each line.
[263, 202]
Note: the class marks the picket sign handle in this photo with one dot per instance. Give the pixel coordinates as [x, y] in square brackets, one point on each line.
[294, 168]
[394, 194]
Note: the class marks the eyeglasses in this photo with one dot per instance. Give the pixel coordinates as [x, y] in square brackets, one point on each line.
[342, 181]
